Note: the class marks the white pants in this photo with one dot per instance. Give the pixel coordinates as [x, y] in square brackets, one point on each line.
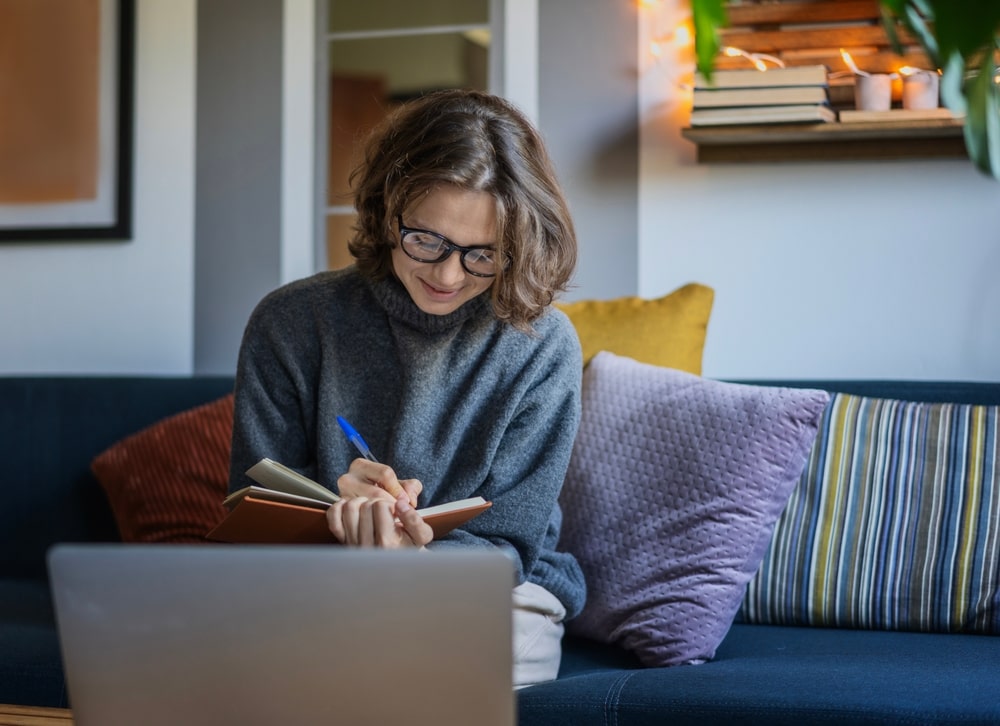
[538, 632]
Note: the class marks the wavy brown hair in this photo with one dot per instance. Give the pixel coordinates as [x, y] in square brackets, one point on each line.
[477, 142]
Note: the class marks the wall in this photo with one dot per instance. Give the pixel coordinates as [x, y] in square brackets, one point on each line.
[121, 306]
[844, 269]
[588, 105]
[238, 172]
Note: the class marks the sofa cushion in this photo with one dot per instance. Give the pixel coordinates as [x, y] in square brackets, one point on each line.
[667, 331]
[674, 485]
[31, 666]
[52, 427]
[780, 676]
[895, 524]
[166, 482]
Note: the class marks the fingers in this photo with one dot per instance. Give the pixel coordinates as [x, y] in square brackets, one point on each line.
[412, 488]
[351, 520]
[363, 522]
[385, 478]
[368, 479]
[414, 527]
[335, 520]
[385, 532]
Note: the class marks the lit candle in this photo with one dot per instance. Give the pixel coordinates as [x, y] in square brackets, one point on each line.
[920, 88]
[872, 91]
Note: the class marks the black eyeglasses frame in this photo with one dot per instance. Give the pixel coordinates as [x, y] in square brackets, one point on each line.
[449, 247]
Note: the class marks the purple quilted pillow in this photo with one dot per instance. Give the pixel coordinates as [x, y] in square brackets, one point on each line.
[672, 493]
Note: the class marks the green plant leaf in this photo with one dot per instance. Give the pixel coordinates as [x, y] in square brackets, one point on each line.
[982, 122]
[958, 35]
[967, 26]
[922, 20]
[916, 16]
[953, 84]
[709, 16]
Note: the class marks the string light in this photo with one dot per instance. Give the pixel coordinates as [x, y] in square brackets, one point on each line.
[679, 37]
[759, 60]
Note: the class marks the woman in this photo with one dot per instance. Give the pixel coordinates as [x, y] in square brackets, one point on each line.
[441, 347]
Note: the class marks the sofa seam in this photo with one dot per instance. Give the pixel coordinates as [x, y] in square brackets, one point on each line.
[613, 698]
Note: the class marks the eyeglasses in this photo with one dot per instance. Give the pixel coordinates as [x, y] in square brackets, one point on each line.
[424, 246]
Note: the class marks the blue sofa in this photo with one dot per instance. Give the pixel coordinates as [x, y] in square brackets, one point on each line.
[52, 427]
[50, 430]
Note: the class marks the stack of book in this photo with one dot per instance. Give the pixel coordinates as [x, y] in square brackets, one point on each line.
[795, 94]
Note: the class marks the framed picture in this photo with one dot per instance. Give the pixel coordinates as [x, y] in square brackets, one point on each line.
[66, 119]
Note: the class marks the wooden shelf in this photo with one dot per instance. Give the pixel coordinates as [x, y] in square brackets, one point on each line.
[813, 32]
[925, 139]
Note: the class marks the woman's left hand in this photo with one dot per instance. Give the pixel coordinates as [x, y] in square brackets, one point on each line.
[364, 522]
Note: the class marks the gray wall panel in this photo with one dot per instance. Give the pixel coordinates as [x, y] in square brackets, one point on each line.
[588, 111]
[238, 172]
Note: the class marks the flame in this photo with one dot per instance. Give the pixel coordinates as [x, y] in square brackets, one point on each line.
[732, 52]
[850, 62]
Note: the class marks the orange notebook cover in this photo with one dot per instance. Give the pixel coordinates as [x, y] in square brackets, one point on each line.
[255, 519]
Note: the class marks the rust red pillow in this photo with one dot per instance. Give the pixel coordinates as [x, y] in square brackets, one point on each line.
[166, 483]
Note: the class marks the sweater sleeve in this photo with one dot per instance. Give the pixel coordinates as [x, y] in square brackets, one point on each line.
[271, 397]
[531, 458]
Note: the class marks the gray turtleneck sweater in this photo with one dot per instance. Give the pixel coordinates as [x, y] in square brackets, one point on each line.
[464, 403]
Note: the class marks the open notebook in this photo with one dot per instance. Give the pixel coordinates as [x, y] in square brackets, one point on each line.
[213, 634]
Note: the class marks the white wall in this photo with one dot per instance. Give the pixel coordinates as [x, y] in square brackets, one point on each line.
[588, 115]
[121, 307]
[843, 269]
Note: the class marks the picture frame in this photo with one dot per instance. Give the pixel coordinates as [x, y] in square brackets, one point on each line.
[66, 144]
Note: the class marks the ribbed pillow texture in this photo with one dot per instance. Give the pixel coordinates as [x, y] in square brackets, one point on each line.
[166, 483]
[895, 524]
[674, 486]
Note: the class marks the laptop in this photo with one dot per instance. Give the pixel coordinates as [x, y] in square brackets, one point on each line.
[220, 634]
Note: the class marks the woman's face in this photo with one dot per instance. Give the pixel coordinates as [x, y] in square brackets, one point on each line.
[466, 218]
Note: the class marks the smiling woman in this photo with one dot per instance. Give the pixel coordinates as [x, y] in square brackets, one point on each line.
[460, 371]
[438, 281]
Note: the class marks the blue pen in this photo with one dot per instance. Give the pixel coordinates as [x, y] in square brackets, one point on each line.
[359, 443]
[355, 438]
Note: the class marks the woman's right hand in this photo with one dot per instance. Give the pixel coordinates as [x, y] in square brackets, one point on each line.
[372, 480]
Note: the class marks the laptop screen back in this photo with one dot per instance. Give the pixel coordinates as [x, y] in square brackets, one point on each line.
[171, 634]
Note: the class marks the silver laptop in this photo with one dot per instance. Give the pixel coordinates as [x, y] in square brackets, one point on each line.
[220, 634]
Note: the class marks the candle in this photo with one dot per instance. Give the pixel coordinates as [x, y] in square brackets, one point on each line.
[920, 88]
[873, 91]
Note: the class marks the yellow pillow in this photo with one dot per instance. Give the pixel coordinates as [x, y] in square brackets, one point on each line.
[668, 331]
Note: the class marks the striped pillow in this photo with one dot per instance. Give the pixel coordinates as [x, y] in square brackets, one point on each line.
[895, 523]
